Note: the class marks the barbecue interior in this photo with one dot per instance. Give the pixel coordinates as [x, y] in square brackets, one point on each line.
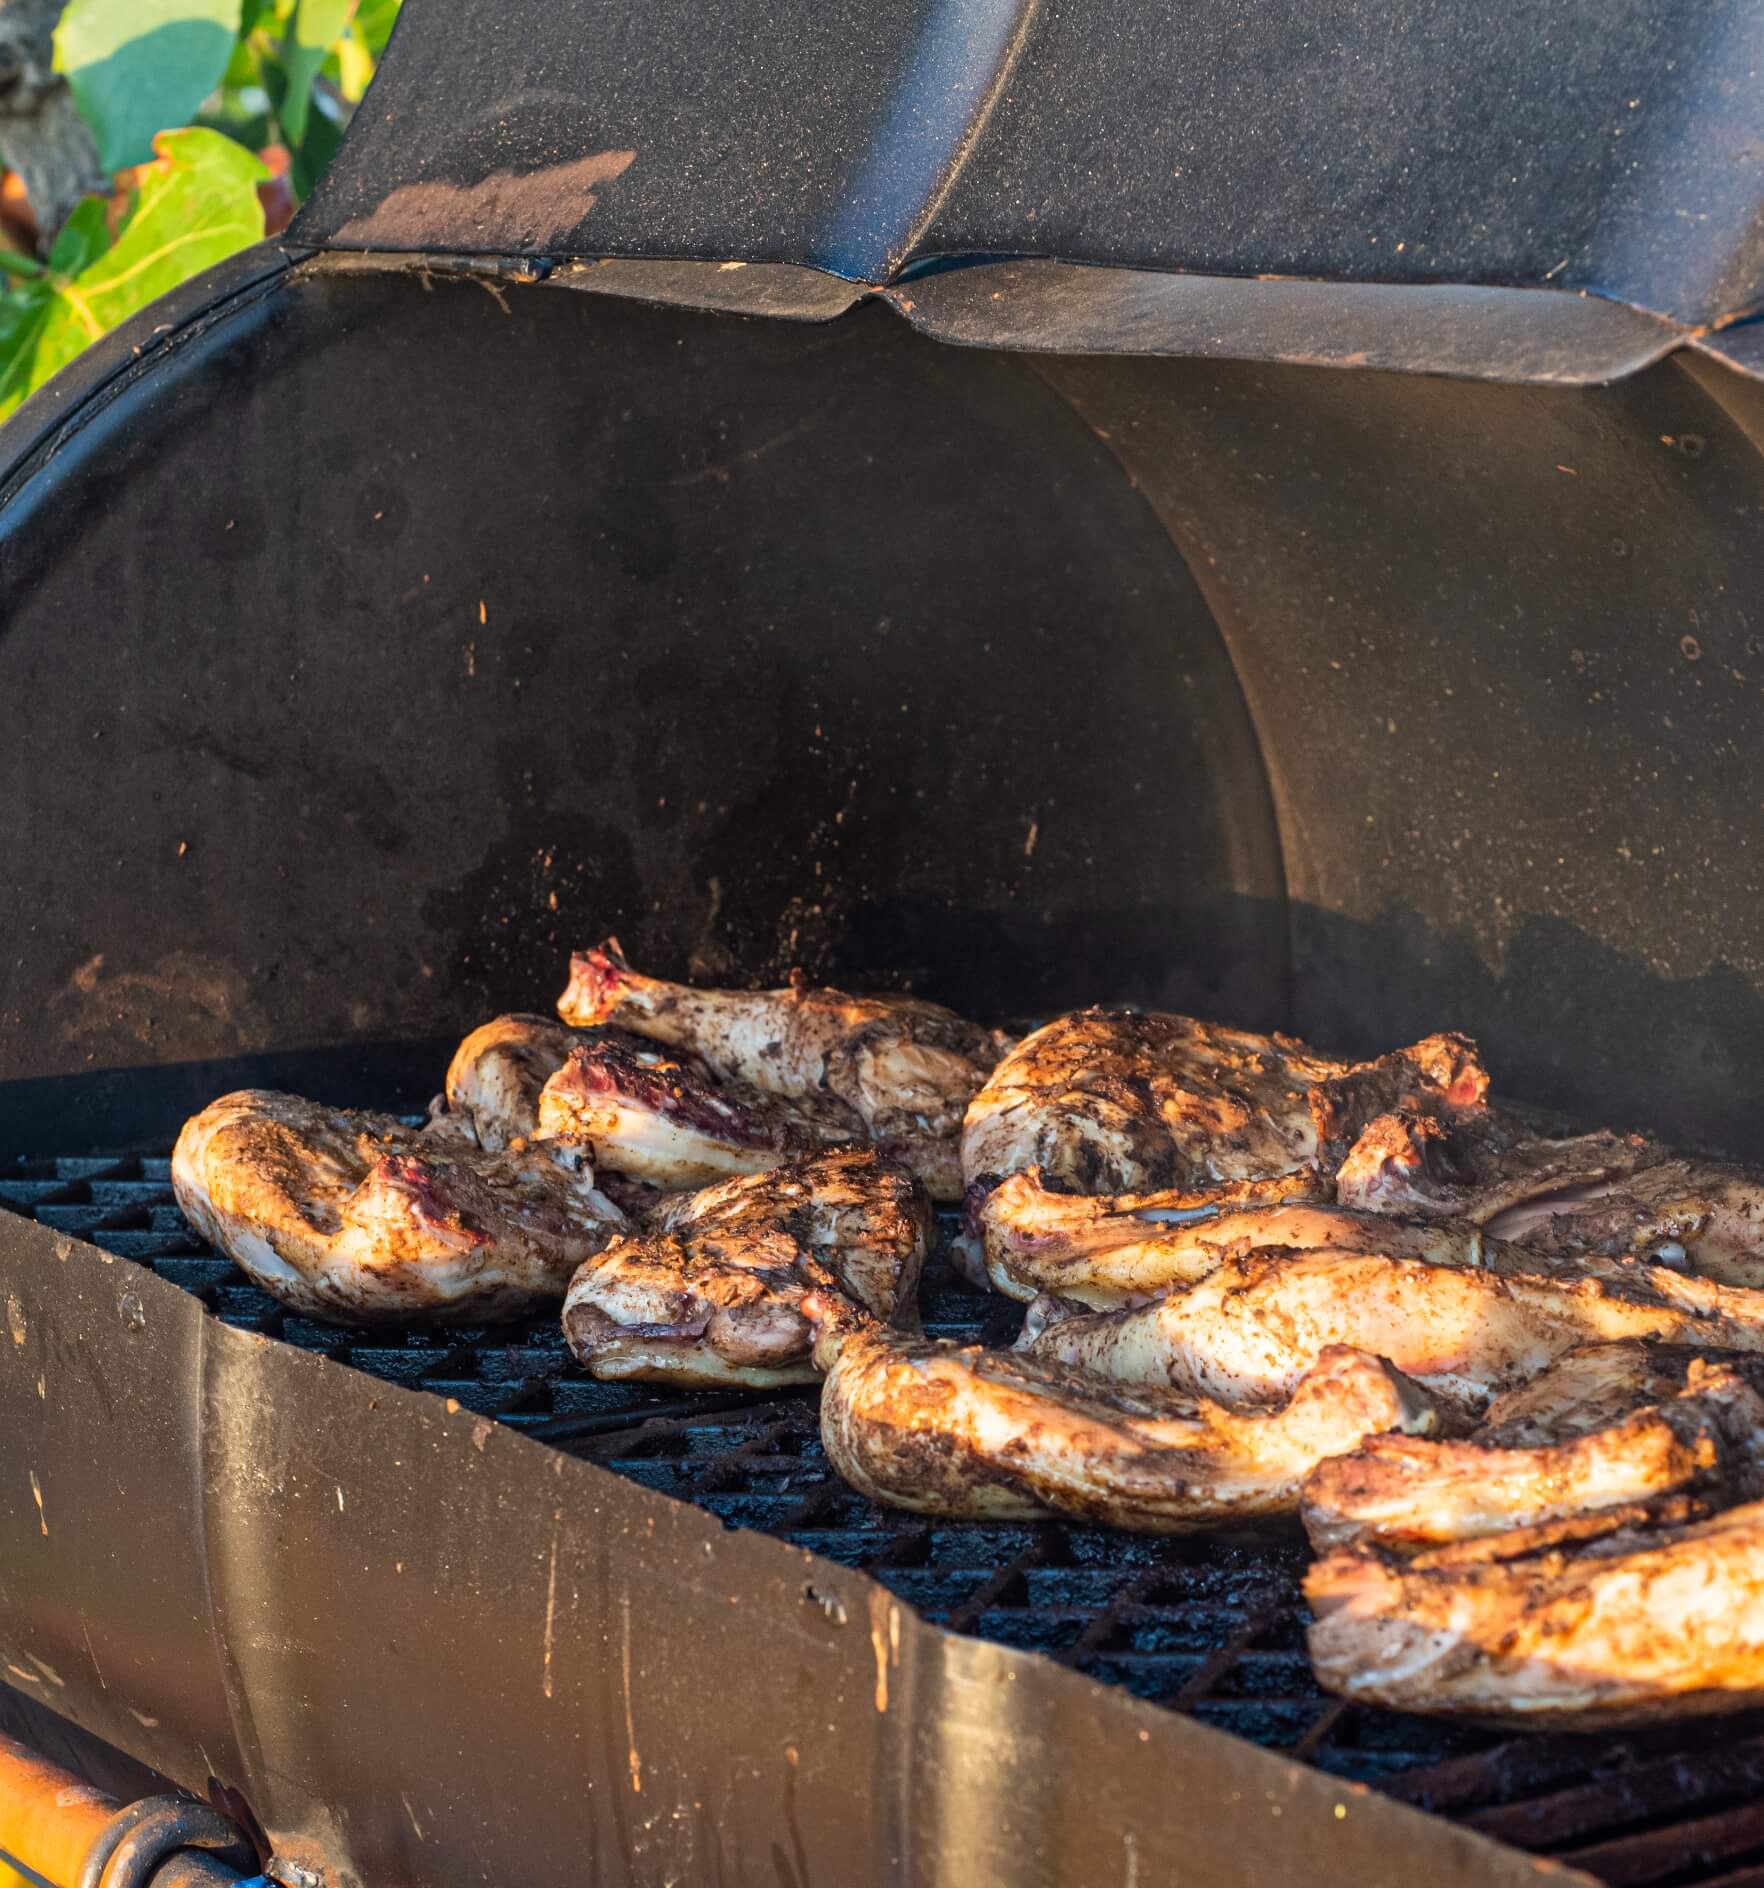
[1335, 702]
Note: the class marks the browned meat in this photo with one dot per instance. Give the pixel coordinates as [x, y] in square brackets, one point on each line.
[494, 1079]
[961, 1430]
[1600, 1192]
[1625, 1617]
[711, 1291]
[1127, 1248]
[905, 1068]
[1703, 1434]
[665, 1119]
[1249, 1330]
[1110, 1101]
[357, 1218]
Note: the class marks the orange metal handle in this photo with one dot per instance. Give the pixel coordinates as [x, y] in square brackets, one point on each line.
[48, 1817]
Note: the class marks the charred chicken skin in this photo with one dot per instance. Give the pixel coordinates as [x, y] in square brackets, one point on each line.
[1703, 1436]
[359, 1219]
[1111, 1101]
[1601, 1192]
[1129, 1248]
[905, 1069]
[664, 1118]
[1249, 1330]
[711, 1291]
[1625, 1617]
[961, 1430]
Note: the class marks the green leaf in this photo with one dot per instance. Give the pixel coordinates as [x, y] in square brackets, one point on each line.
[82, 239]
[195, 205]
[373, 23]
[305, 46]
[136, 66]
[15, 262]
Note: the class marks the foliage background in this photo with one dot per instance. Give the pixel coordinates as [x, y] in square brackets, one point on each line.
[213, 118]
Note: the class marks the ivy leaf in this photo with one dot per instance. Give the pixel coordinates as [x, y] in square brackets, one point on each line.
[137, 65]
[195, 205]
[316, 25]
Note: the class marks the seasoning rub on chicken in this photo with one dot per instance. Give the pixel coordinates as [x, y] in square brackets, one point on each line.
[711, 1290]
[1599, 1192]
[1114, 1101]
[1611, 1425]
[905, 1069]
[961, 1430]
[1625, 1617]
[1250, 1329]
[1127, 1248]
[357, 1218]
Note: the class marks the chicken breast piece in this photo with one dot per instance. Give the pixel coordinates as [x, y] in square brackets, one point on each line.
[1704, 1437]
[1624, 1618]
[905, 1068]
[666, 1119]
[1249, 1330]
[1128, 1248]
[1600, 1192]
[359, 1219]
[961, 1430]
[711, 1291]
[1114, 1101]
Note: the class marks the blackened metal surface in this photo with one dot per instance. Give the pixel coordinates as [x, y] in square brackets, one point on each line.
[1610, 149]
[422, 1649]
[1502, 651]
[463, 624]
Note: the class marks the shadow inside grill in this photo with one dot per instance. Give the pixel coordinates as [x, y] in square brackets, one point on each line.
[1209, 1624]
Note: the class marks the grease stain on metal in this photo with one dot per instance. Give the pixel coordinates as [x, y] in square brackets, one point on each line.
[551, 1618]
[535, 206]
[635, 1760]
[37, 1496]
[15, 1319]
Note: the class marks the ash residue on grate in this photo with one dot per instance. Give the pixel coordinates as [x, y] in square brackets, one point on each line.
[1209, 1624]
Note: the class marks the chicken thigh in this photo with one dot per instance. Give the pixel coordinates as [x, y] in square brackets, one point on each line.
[711, 1290]
[906, 1069]
[961, 1430]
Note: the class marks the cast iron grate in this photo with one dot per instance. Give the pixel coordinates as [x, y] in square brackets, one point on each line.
[1211, 1625]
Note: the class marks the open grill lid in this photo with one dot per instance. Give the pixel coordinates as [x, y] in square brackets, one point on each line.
[1434, 187]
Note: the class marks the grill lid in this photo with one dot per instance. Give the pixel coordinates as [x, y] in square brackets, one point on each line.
[1410, 165]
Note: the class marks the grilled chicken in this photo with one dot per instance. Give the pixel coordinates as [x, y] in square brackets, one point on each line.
[1249, 1330]
[907, 1069]
[1600, 1192]
[1109, 1101]
[357, 1218]
[961, 1430]
[711, 1290]
[494, 1079]
[666, 1119]
[1617, 1618]
[1128, 1248]
[1703, 1436]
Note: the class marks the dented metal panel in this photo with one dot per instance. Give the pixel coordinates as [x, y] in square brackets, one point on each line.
[1604, 151]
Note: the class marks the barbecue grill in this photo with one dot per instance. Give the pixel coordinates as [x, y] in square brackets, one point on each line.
[797, 489]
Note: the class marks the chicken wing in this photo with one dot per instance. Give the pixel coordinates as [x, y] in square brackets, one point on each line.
[1258, 1321]
[1128, 1248]
[1703, 1435]
[1111, 1101]
[961, 1430]
[711, 1290]
[907, 1069]
[666, 1119]
[1623, 1618]
[357, 1218]
[1599, 1192]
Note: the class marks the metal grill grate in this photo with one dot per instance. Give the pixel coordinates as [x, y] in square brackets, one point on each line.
[1212, 1625]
